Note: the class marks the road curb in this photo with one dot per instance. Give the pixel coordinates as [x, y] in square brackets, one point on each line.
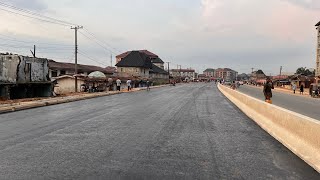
[51, 102]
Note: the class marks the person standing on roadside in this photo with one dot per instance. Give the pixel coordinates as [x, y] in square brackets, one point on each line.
[301, 89]
[267, 90]
[129, 84]
[110, 84]
[118, 82]
[294, 88]
[148, 85]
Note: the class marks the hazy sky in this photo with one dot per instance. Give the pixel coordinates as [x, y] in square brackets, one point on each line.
[240, 34]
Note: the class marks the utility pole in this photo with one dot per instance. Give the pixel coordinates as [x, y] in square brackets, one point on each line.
[76, 56]
[280, 71]
[169, 70]
[111, 61]
[34, 51]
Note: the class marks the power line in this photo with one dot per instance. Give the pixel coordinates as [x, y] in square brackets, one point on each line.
[48, 21]
[101, 41]
[98, 43]
[88, 57]
[31, 42]
[34, 13]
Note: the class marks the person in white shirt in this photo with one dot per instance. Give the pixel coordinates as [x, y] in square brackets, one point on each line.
[129, 84]
[118, 82]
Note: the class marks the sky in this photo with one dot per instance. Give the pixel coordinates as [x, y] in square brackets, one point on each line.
[200, 34]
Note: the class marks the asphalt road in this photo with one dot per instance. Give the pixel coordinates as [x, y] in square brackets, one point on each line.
[303, 105]
[185, 132]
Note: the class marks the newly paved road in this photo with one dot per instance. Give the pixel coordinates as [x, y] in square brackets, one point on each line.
[303, 105]
[185, 132]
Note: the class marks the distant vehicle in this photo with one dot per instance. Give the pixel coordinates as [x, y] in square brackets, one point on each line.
[241, 82]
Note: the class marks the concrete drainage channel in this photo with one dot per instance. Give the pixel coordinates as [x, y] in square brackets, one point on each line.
[298, 133]
[53, 101]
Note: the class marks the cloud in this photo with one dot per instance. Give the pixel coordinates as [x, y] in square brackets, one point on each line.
[310, 4]
[29, 4]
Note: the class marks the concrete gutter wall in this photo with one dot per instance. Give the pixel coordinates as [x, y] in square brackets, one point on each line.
[298, 133]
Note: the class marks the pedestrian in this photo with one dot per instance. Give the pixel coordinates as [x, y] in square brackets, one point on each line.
[294, 87]
[118, 82]
[110, 84]
[148, 85]
[301, 89]
[129, 84]
[267, 91]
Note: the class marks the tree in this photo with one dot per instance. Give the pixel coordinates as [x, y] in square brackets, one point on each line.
[305, 71]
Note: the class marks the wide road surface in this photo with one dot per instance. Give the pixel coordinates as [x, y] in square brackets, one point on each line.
[185, 132]
[303, 105]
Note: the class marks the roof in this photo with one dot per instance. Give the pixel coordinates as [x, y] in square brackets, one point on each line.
[148, 53]
[225, 70]
[157, 60]
[53, 65]
[135, 59]
[156, 70]
[209, 70]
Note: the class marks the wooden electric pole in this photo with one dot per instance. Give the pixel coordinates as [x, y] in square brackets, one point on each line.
[76, 56]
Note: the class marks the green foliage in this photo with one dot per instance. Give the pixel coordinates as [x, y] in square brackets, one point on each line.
[305, 71]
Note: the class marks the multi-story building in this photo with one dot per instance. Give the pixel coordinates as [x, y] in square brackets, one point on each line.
[146, 52]
[226, 74]
[209, 72]
[141, 64]
[183, 73]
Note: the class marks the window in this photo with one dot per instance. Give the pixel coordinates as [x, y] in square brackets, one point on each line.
[62, 73]
[54, 74]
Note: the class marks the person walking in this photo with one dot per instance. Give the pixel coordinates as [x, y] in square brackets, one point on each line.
[118, 82]
[294, 88]
[267, 90]
[129, 84]
[148, 85]
[301, 89]
[110, 84]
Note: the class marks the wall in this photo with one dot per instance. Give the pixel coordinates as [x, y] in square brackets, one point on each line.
[39, 70]
[66, 85]
[133, 71]
[8, 68]
[298, 133]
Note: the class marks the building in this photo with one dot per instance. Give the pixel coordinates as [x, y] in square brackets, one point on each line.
[135, 64]
[141, 64]
[65, 84]
[146, 52]
[57, 69]
[209, 72]
[258, 77]
[318, 54]
[226, 74]
[183, 73]
[24, 77]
